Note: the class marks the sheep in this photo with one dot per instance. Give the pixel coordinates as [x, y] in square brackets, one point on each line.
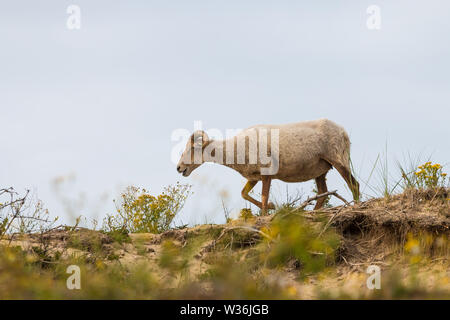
[299, 151]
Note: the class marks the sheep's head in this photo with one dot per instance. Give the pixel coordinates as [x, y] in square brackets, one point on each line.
[192, 156]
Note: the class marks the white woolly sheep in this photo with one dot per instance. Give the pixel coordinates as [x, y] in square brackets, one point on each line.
[298, 152]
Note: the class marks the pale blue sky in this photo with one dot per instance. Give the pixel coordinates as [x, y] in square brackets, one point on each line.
[101, 103]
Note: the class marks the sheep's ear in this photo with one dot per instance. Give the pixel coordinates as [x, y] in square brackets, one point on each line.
[199, 139]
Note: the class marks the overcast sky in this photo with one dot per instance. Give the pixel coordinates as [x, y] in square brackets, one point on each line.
[97, 106]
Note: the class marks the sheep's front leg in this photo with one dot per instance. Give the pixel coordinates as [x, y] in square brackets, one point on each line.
[266, 180]
[247, 188]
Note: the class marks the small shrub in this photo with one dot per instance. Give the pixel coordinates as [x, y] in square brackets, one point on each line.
[119, 235]
[22, 213]
[139, 211]
[425, 176]
[430, 176]
[246, 214]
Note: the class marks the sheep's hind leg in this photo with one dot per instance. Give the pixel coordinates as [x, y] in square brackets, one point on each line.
[321, 183]
[266, 180]
[351, 181]
[247, 188]
[346, 173]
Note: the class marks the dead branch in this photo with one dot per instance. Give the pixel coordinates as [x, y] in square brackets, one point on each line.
[326, 194]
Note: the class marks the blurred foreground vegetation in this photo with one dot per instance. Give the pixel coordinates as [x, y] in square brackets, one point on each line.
[290, 254]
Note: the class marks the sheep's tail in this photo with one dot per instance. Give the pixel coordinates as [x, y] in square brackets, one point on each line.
[345, 153]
